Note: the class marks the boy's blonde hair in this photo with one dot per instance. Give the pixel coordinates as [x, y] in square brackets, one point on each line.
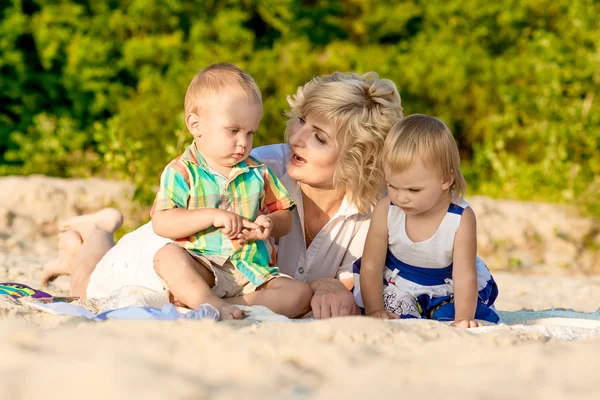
[425, 138]
[362, 108]
[215, 78]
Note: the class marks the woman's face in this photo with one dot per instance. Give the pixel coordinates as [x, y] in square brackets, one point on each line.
[314, 152]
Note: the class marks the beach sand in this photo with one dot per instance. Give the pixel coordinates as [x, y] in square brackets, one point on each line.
[58, 357]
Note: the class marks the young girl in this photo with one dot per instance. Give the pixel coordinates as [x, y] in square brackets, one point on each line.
[420, 254]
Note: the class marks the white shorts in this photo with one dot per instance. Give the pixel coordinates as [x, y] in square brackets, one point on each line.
[130, 262]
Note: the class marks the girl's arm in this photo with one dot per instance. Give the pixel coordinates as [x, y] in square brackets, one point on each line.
[373, 262]
[464, 271]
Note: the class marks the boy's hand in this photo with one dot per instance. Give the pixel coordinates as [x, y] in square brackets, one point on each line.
[231, 224]
[265, 226]
[382, 314]
[262, 232]
[466, 323]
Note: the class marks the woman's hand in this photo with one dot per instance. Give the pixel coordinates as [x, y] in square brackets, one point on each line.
[331, 299]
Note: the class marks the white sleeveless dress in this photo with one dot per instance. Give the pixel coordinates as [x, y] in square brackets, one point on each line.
[418, 277]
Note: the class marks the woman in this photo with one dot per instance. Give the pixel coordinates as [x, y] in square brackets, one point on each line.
[330, 165]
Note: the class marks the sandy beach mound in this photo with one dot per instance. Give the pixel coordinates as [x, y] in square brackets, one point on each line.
[343, 358]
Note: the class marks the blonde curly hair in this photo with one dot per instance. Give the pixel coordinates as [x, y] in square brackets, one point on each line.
[363, 109]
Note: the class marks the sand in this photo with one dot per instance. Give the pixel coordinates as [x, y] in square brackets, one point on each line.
[341, 358]
[59, 357]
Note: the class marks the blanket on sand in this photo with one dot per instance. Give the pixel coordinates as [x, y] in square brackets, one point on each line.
[135, 302]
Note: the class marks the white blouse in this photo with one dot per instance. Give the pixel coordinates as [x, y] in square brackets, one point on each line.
[334, 249]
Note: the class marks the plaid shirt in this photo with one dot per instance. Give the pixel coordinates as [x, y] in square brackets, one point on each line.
[250, 190]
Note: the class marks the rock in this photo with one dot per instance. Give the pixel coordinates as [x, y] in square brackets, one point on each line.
[32, 206]
[45, 201]
[536, 237]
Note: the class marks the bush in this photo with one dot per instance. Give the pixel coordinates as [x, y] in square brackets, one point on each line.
[96, 87]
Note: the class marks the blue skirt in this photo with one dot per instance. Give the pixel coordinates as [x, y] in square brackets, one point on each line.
[438, 308]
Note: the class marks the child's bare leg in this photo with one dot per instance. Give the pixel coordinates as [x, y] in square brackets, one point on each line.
[69, 243]
[189, 281]
[282, 295]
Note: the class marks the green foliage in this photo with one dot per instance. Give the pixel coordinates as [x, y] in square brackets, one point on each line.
[96, 87]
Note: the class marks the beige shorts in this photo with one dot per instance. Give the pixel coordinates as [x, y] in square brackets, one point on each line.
[229, 281]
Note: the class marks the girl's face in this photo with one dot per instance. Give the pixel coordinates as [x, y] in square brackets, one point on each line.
[417, 189]
[314, 152]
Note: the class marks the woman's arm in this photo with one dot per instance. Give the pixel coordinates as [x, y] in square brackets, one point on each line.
[464, 271]
[282, 222]
[332, 297]
[276, 156]
[373, 261]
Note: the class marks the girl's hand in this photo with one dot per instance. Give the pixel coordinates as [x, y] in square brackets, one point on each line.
[382, 314]
[231, 224]
[466, 323]
[262, 232]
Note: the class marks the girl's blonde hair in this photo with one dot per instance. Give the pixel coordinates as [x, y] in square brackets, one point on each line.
[362, 108]
[425, 138]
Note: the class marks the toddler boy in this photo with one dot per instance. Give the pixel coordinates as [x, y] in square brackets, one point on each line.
[221, 205]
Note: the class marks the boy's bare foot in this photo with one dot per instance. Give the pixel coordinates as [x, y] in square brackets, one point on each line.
[229, 311]
[107, 220]
[226, 311]
[69, 243]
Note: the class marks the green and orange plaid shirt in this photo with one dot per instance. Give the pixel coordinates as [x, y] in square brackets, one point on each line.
[250, 190]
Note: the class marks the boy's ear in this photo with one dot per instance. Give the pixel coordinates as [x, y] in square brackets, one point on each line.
[192, 121]
[447, 181]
